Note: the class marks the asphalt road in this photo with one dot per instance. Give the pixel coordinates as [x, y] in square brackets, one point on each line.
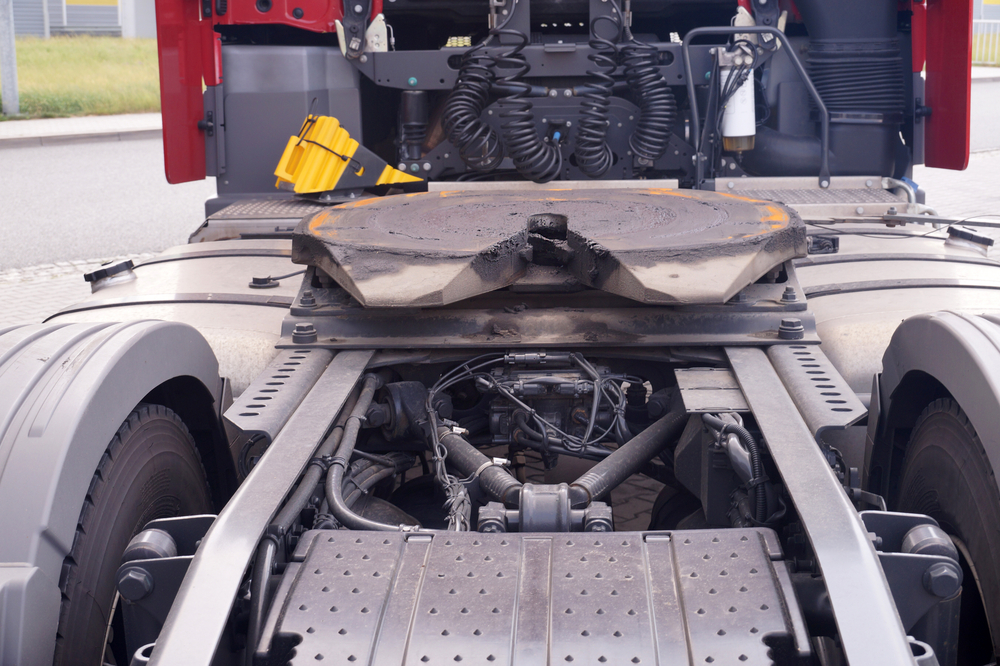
[984, 121]
[92, 200]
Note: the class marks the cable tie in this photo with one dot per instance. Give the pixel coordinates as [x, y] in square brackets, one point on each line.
[482, 468]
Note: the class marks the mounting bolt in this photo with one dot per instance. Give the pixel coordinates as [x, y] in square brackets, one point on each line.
[414, 167]
[943, 579]
[427, 166]
[791, 329]
[307, 300]
[859, 210]
[868, 183]
[788, 296]
[304, 333]
[892, 211]
[135, 583]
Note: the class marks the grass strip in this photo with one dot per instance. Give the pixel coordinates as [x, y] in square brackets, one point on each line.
[85, 75]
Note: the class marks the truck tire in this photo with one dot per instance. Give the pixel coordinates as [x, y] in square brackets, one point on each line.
[947, 476]
[151, 469]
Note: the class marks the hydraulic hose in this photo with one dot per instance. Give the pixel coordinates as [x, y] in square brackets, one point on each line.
[628, 459]
[264, 561]
[756, 466]
[293, 507]
[469, 461]
[335, 476]
[366, 474]
[262, 566]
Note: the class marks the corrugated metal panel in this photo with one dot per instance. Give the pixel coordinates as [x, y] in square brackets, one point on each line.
[29, 18]
[92, 18]
[55, 13]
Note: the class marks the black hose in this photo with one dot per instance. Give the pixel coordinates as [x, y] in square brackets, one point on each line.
[592, 152]
[335, 476]
[495, 481]
[627, 460]
[262, 566]
[289, 513]
[478, 144]
[365, 474]
[536, 159]
[293, 507]
[756, 465]
[657, 107]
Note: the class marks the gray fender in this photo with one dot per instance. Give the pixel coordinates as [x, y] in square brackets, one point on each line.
[933, 356]
[64, 391]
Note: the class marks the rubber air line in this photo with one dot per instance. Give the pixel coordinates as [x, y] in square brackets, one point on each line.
[628, 459]
[469, 461]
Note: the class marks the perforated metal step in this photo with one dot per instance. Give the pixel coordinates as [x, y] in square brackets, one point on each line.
[694, 597]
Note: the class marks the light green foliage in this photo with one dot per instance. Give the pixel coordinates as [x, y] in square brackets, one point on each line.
[80, 76]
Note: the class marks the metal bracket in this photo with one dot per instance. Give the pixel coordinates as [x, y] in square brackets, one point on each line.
[821, 394]
[266, 405]
[356, 14]
[859, 592]
[824, 114]
[148, 586]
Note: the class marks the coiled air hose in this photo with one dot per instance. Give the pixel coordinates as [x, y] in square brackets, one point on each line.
[478, 144]
[536, 159]
[657, 107]
[592, 152]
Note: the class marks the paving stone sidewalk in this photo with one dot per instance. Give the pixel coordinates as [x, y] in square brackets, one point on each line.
[28, 295]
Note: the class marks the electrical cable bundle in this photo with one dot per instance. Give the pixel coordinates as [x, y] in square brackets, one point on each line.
[737, 77]
[536, 159]
[478, 144]
[657, 107]
[592, 152]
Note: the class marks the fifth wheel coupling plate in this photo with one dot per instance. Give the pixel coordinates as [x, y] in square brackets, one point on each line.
[655, 246]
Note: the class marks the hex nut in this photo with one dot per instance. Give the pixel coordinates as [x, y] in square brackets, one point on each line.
[135, 583]
[304, 333]
[943, 579]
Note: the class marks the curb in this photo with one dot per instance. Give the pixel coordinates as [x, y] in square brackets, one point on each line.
[69, 139]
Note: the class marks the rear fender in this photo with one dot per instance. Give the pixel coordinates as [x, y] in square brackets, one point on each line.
[64, 391]
[931, 356]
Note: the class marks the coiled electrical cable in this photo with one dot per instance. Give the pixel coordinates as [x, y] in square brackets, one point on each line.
[534, 158]
[657, 107]
[592, 152]
[478, 144]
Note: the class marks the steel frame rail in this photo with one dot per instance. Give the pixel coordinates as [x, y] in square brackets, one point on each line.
[869, 625]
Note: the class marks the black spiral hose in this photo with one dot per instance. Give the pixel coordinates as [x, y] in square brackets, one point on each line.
[592, 152]
[657, 107]
[534, 158]
[478, 144]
